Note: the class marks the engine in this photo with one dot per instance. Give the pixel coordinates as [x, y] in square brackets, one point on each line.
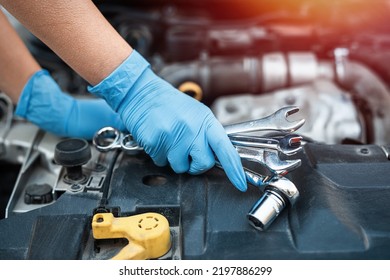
[245, 60]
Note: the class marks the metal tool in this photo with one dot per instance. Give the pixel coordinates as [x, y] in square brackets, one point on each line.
[288, 145]
[277, 121]
[269, 159]
[262, 165]
[278, 194]
[109, 138]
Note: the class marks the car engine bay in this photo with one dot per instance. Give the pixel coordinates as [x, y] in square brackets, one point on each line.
[245, 60]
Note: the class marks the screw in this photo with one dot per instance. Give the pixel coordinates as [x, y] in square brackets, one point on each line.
[75, 187]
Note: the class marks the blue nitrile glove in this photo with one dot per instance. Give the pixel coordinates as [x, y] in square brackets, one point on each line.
[170, 126]
[43, 103]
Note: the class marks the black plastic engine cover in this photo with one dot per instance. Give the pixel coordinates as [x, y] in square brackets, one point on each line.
[342, 212]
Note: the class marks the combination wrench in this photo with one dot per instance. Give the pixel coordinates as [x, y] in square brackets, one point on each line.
[278, 121]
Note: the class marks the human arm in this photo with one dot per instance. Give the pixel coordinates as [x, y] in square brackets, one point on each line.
[16, 63]
[38, 97]
[76, 31]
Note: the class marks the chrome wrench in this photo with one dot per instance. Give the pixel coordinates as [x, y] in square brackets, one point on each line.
[269, 162]
[288, 145]
[277, 121]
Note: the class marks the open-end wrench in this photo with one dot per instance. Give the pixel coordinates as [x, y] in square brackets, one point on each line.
[288, 144]
[267, 162]
[276, 121]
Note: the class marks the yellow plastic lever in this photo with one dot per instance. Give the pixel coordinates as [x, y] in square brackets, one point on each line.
[148, 234]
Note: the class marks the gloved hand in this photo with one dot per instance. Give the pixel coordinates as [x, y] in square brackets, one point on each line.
[43, 103]
[170, 126]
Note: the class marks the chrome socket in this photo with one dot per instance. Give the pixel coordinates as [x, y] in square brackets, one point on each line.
[279, 194]
[265, 210]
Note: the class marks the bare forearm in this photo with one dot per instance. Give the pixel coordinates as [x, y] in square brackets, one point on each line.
[76, 31]
[16, 62]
